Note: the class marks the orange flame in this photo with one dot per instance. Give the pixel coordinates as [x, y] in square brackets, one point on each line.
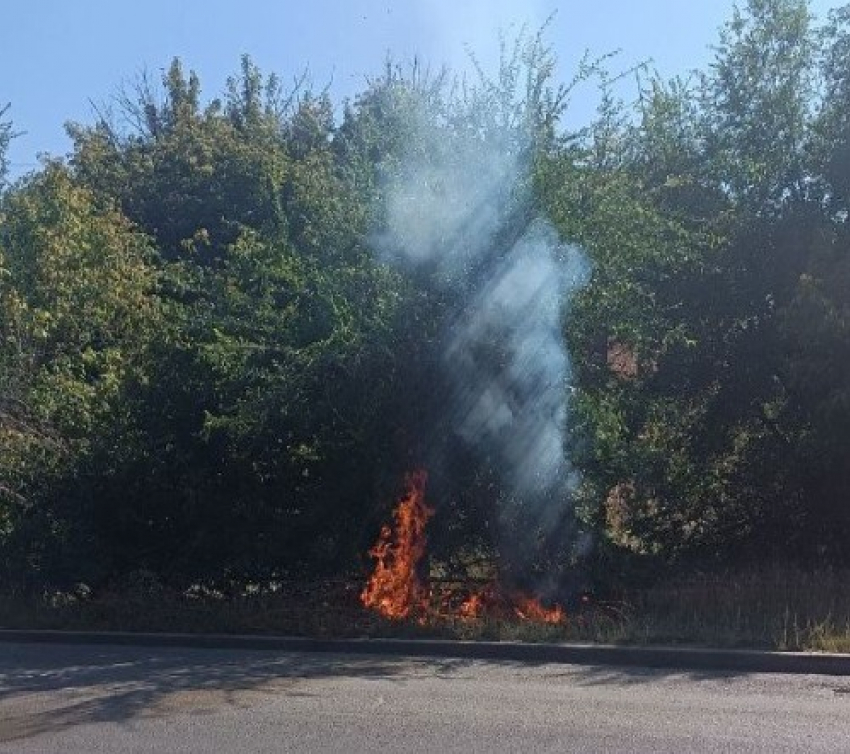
[394, 589]
[530, 609]
[491, 601]
[471, 608]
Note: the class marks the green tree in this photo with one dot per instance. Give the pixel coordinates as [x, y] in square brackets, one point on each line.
[6, 135]
[261, 426]
[757, 102]
[698, 427]
[77, 293]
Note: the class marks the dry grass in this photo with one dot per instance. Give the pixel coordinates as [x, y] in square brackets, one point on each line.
[777, 608]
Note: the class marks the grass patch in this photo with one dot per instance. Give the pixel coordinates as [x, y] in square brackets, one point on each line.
[772, 608]
[779, 608]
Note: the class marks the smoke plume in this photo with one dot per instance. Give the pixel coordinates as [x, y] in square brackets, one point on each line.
[459, 219]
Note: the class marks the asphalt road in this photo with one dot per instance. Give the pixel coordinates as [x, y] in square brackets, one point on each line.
[87, 699]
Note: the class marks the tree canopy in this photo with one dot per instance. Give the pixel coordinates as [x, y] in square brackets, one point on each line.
[213, 366]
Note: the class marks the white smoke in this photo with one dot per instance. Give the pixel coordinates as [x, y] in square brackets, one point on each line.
[458, 214]
[446, 202]
[452, 29]
[517, 406]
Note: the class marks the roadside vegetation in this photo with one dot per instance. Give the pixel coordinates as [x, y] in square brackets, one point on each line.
[210, 378]
[774, 609]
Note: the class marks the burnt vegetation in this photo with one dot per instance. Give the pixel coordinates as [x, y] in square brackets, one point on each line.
[214, 373]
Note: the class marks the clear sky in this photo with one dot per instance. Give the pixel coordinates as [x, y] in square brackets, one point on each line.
[58, 56]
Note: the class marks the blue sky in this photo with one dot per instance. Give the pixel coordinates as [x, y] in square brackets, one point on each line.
[56, 56]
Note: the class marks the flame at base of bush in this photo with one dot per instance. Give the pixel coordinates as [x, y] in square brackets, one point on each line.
[396, 591]
[491, 602]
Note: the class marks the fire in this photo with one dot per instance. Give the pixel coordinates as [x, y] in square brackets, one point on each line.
[493, 602]
[394, 590]
[530, 609]
[472, 608]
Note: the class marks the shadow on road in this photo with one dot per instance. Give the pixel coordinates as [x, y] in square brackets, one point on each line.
[50, 688]
[47, 689]
[599, 675]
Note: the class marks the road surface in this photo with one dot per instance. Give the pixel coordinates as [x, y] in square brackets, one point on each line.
[88, 699]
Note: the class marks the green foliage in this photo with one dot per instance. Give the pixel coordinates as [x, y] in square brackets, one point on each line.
[78, 310]
[251, 449]
[718, 293]
[756, 100]
[831, 127]
[206, 370]
[6, 135]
